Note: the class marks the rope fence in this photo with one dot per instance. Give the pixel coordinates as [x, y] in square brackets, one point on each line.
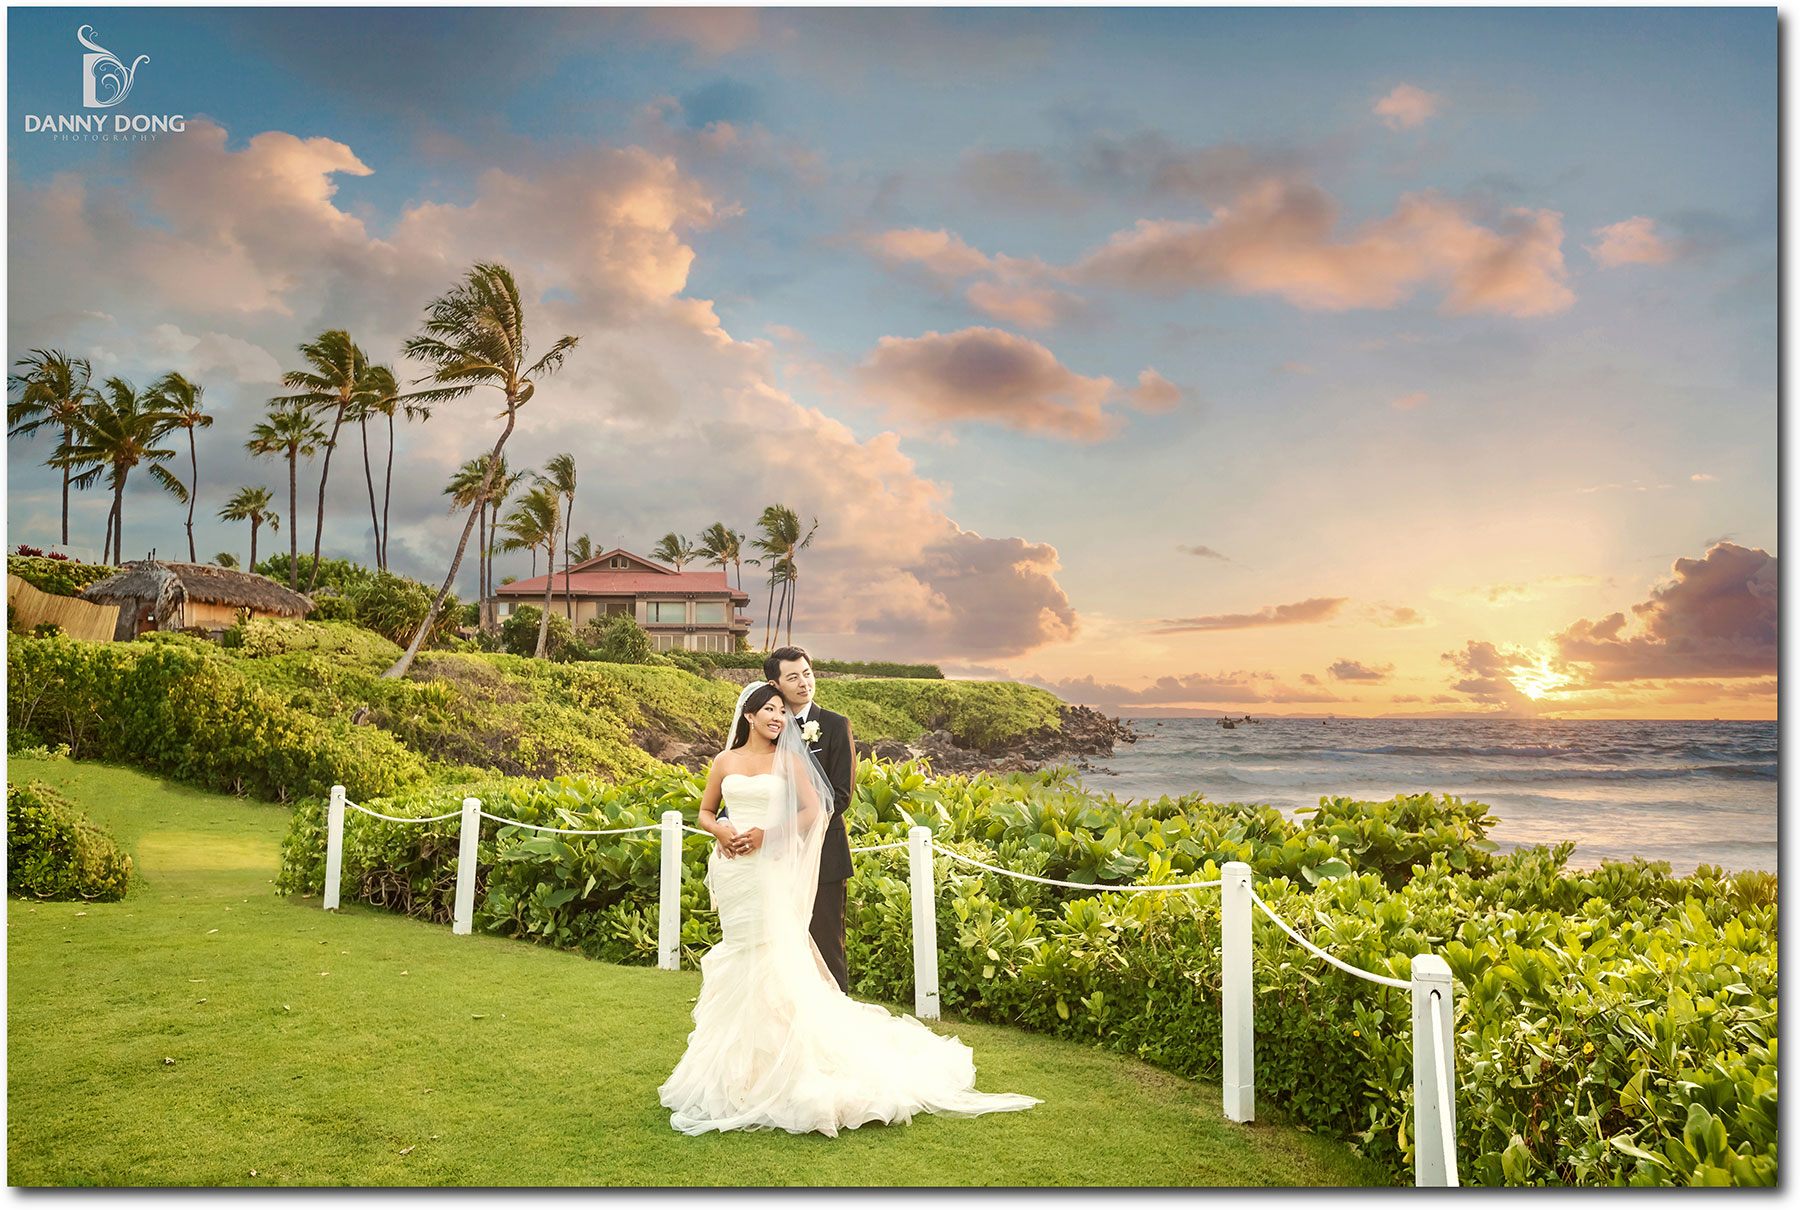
[1433, 1022]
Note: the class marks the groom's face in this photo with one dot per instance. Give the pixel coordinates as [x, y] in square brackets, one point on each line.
[795, 683]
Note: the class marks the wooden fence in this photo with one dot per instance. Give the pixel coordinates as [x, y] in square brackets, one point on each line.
[79, 619]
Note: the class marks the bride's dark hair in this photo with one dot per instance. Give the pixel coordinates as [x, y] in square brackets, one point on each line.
[740, 733]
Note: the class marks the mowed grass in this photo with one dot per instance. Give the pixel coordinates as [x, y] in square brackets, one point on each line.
[363, 1048]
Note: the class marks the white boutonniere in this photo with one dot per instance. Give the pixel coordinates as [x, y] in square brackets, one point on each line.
[809, 731]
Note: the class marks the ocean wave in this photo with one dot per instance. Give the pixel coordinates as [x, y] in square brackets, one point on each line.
[1500, 750]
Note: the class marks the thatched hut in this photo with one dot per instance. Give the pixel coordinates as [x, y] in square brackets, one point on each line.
[174, 596]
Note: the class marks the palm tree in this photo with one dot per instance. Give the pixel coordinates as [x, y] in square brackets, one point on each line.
[251, 504]
[504, 486]
[293, 434]
[384, 399]
[474, 336]
[780, 540]
[583, 549]
[723, 547]
[181, 399]
[559, 474]
[676, 549]
[117, 434]
[54, 391]
[226, 560]
[779, 573]
[535, 522]
[463, 490]
[339, 380]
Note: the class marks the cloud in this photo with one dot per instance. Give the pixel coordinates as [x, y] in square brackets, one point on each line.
[1154, 393]
[940, 252]
[1316, 609]
[1487, 672]
[1013, 289]
[1406, 107]
[1351, 670]
[1194, 689]
[1631, 242]
[1276, 237]
[1395, 615]
[1718, 617]
[1517, 591]
[1703, 477]
[1026, 305]
[1407, 403]
[1204, 552]
[208, 255]
[989, 376]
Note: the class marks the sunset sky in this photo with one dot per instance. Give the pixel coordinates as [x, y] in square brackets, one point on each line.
[1384, 362]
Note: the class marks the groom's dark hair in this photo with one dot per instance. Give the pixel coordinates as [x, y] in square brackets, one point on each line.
[772, 661]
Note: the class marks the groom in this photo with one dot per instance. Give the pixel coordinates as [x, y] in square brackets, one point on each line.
[828, 735]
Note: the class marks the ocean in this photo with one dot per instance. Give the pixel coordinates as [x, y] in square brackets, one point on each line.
[1688, 793]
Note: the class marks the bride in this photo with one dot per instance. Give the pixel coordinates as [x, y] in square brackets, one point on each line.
[775, 1044]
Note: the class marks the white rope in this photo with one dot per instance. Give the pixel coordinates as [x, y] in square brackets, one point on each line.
[876, 848]
[649, 827]
[396, 818]
[1079, 886]
[1446, 1108]
[1371, 976]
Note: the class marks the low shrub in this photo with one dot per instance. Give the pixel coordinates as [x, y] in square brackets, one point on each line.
[519, 634]
[875, 668]
[620, 640]
[1613, 1027]
[59, 577]
[980, 714]
[54, 852]
[393, 606]
[336, 576]
[332, 608]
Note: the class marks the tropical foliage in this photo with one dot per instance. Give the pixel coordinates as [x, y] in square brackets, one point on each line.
[54, 852]
[50, 390]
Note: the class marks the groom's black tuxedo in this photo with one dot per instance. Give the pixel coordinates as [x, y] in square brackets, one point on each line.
[836, 750]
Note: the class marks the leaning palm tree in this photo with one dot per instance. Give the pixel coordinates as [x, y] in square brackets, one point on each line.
[116, 435]
[464, 491]
[181, 399]
[293, 434]
[559, 474]
[535, 522]
[52, 391]
[475, 336]
[251, 504]
[724, 547]
[337, 381]
[676, 549]
[781, 539]
[501, 491]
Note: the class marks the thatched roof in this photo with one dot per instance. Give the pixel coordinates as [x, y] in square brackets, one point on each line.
[168, 584]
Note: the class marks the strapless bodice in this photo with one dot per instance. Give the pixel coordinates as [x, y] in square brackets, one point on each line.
[746, 797]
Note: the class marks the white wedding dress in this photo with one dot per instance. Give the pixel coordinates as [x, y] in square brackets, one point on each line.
[776, 1045]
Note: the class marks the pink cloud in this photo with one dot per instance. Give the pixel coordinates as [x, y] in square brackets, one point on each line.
[1406, 107]
[1316, 609]
[1407, 403]
[987, 375]
[1276, 237]
[941, 252]
[1631, 242]
[1154, 393]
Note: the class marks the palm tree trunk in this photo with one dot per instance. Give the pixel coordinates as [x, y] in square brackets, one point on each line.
[387, 495]
[487, 481]
[488, 554]
[193, 490]
[293, 530]
[769, 613]
[255, 521]
[793, 593]
[106, 542]
[368, 477]
[481, 585]
[319, 529]
[119, 525]
[568, 525]
[549, 580]
[67, 434]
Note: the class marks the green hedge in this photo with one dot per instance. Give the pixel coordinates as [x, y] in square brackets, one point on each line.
[179, 706]
[54, 852]
[1613, 1027]
[980, 714]
[58, 577]
[880, 668]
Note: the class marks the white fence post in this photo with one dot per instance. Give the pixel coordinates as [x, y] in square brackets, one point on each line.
[465, 867]
[1237, 993]
[334, 848]
[668, 920]
[924, 923]
[1434, 1074]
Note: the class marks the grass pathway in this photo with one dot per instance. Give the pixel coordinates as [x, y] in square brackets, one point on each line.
[367, 1049]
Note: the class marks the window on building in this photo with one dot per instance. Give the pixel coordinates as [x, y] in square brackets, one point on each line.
[668, 611]
[712, 642]
[710, 612]
[666, 642]
[616, 608]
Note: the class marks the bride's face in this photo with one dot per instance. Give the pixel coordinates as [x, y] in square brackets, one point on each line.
[769, 721]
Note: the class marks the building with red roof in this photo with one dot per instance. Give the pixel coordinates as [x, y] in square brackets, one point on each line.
[682, 610]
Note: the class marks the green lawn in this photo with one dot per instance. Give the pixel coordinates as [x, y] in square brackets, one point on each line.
[367, 1049]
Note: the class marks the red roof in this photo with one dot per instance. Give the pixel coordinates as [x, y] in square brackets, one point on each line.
[628, 583]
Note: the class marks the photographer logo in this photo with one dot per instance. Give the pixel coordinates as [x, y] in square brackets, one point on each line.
[106, 81]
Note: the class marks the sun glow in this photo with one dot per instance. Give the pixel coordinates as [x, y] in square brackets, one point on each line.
[1539, 682]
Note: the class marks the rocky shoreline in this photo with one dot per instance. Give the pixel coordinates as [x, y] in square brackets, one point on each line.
[1082, 733]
